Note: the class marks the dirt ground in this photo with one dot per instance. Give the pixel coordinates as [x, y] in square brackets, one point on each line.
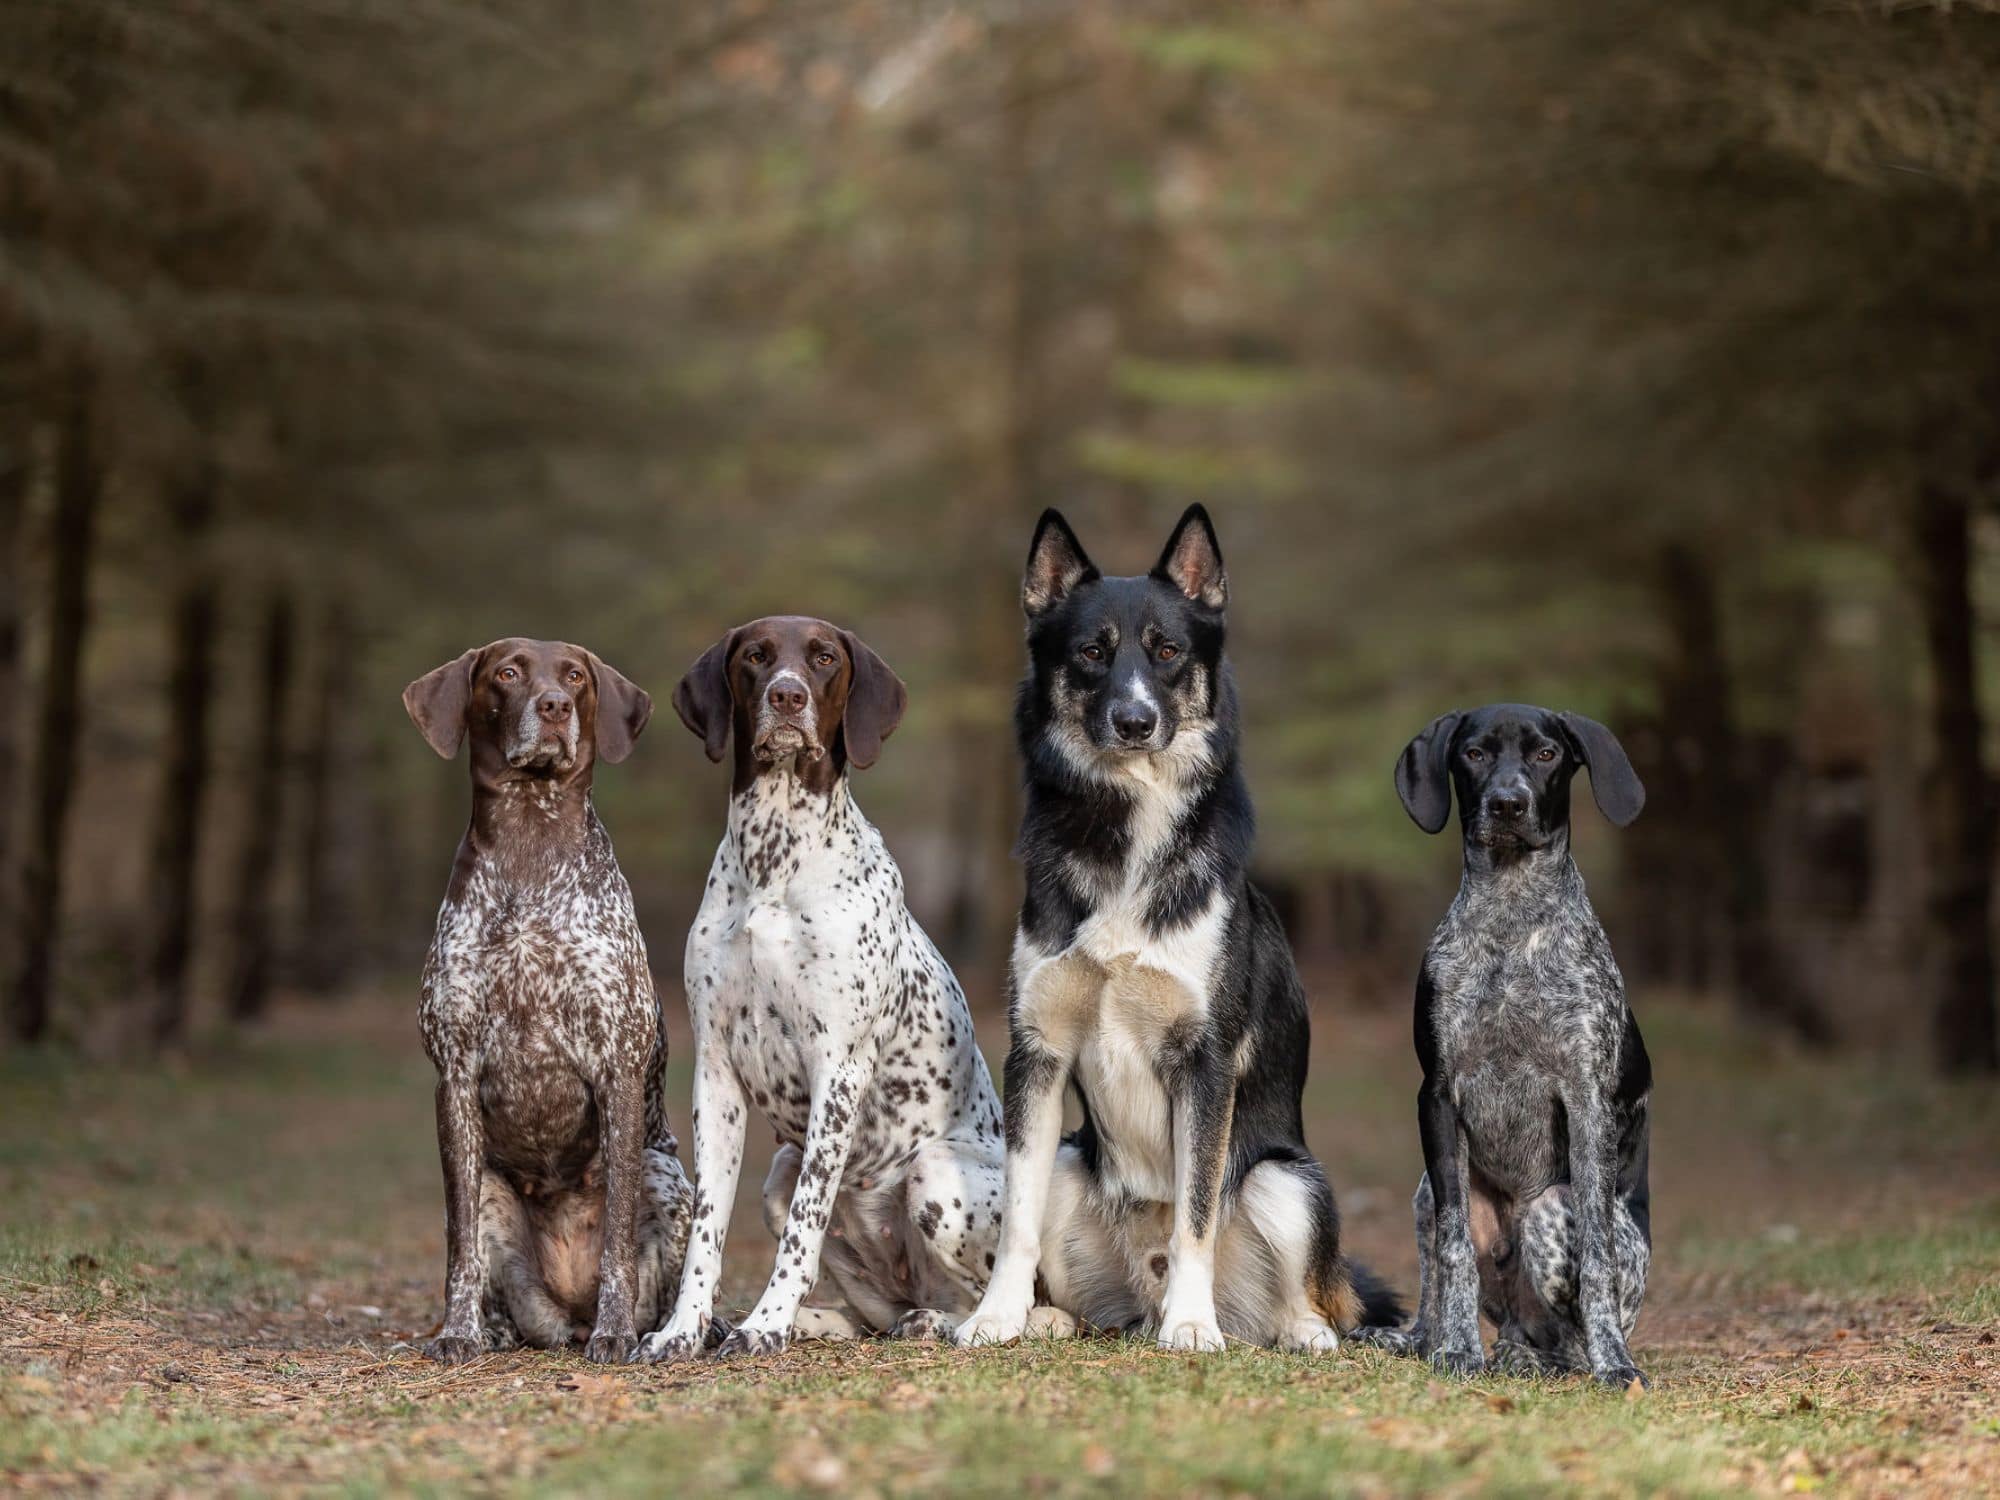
[212, 1273]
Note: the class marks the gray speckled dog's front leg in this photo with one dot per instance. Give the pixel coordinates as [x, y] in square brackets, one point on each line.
[1454, 1347]
[1593, 1156]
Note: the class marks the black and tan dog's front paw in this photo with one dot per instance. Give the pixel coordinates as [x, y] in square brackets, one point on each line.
[1407, 1342]
[455, 1348]
[1461, 1364]
[610, 1348]
[754, 1343]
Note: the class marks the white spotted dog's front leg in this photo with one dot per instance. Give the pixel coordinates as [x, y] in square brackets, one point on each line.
[1035, 1076]
[1593, 1168]
[719, 1124]
[1201, 1155]
[836, 1101]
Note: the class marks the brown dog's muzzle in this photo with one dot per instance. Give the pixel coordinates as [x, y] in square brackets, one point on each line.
[545, 733]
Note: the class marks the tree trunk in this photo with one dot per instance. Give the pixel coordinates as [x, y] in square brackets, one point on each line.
[1725, 817]
[250, 920]
[1958, 821]
[16, 470]
[326, 949]
[58, 720]
[177, 816]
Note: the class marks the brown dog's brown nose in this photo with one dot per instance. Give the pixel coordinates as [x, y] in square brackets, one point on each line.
[787, 697]
[555, 708]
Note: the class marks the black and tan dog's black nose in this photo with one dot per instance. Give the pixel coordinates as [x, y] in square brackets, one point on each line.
[787, 697]
[554, 708]
[1134, 721]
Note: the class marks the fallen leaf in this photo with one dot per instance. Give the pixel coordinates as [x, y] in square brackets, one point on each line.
[1098, 1462]
[1497, 1402]
[1636, 1390]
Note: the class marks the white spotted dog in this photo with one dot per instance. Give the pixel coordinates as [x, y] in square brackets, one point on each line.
[816, 998]
[565, 1207]
[1535, 1111]
[1154, 980]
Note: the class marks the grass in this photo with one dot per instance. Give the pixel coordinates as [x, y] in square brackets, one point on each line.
[210, 1276]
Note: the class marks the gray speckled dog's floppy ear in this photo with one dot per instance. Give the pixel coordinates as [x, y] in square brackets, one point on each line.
[1613, 782]
[1423, 774]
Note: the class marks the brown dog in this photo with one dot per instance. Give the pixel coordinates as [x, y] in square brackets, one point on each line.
[565, 1204]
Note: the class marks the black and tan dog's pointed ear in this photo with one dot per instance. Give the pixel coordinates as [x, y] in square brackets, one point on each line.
[1056, 564]
[437, 701]
[1613, 782]
[1423, 774]
[1192, 561]
[623, 711]
[703, 699]
[876, 699]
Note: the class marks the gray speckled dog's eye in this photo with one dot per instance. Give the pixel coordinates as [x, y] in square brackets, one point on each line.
[1547, 753]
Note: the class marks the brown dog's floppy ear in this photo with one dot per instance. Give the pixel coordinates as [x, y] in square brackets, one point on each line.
[1192, 560]
[1056, 564]
[703, 699]
[623, 711]
[437, 702]
[1613, 782]
[1423, 774]
[876, 699]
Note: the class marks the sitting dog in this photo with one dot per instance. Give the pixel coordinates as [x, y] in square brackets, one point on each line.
[817, 998]
[1152, 978]
[564, 1203]
[1534, 1108]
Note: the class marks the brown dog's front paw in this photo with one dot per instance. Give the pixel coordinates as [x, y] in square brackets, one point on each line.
[454, 1349]
[754, 1343]
[610, 1348]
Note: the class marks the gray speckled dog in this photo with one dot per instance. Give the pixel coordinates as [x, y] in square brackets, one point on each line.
[1534, 1109]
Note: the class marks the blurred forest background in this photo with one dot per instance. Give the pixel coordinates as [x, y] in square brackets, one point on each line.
[1633, 358]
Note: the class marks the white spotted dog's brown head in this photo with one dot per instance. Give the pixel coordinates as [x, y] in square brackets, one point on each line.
[537, 709]
[1127, 668]
[793, 691]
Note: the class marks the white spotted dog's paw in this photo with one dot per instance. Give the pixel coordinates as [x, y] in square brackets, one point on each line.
[923, 1323]
[1197, 1334]
[1309, 1336]
[752, 1343]
[670, 1345]
[1049, 1323]
[984, 1328]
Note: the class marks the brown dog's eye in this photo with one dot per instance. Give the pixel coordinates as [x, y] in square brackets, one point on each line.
[576, 675]
[1475, 754]
[824, 659]
[1093, 653]
[505, 674]
[755, 656]
[1167, 653]
[1546, 754]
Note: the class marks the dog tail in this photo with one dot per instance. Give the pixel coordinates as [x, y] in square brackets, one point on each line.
[1378, 1304]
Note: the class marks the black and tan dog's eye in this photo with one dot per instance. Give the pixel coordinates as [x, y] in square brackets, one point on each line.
[1546, 754]
[1093, 653]
[1167, 652]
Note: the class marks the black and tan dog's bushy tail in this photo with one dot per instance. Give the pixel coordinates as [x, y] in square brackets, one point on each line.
[1370, 1302]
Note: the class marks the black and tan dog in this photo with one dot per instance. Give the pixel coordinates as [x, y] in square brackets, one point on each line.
[565, 1207]
[1152, 978]
[1535, 1105]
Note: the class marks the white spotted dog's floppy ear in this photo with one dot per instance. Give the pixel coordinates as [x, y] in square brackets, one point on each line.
[1613, 782]
[623, 711]
[1192, 561]
[876, 699]
[703, 699]
[1423, 774]
[437, 701]
[1056, 564]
